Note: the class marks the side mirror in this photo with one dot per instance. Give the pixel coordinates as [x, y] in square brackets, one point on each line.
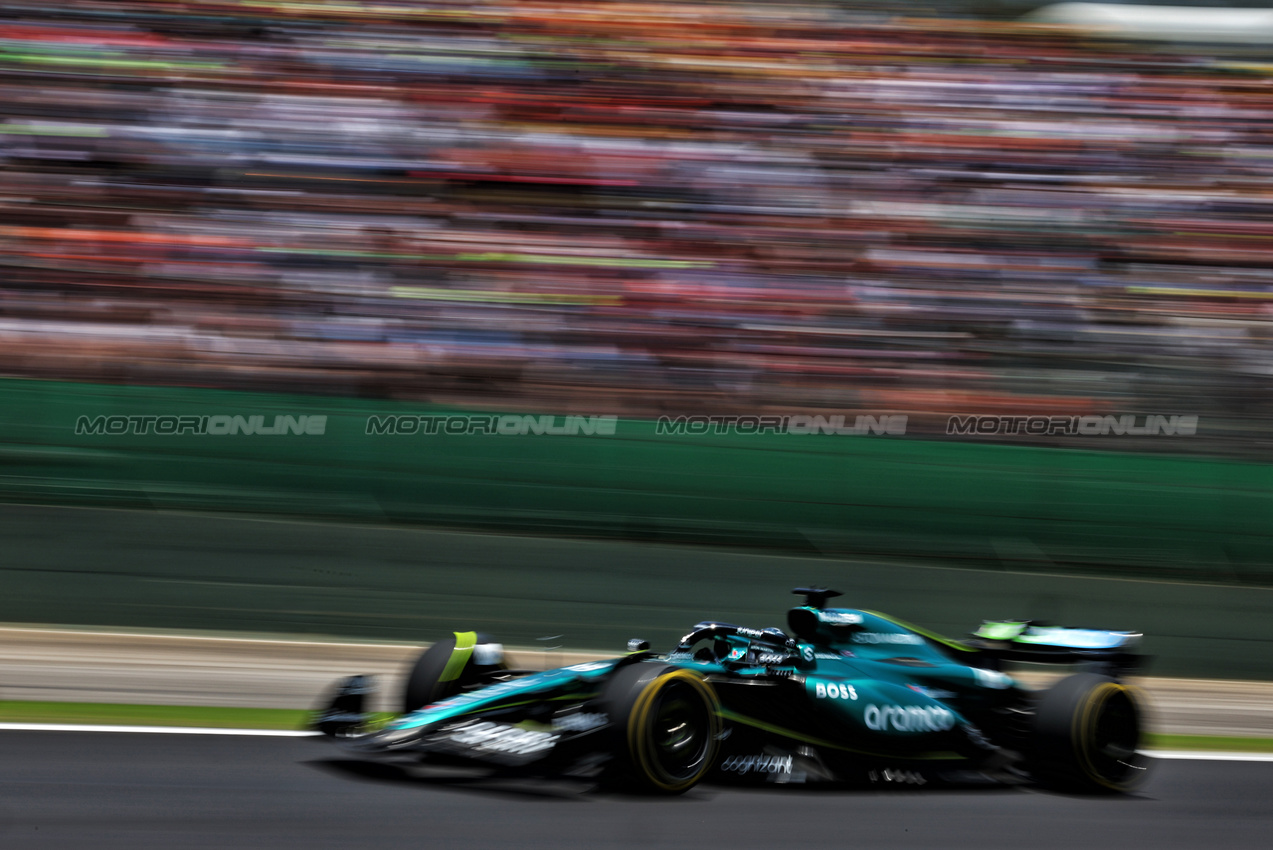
[638, 645]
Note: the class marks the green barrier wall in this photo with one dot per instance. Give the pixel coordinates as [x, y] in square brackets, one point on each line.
[159, 570]
[1030, 508]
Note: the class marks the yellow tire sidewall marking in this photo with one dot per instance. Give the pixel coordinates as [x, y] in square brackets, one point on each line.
[1084, 728]
[639, 744]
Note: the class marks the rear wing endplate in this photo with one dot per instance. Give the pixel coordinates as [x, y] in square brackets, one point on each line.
[1033, 641]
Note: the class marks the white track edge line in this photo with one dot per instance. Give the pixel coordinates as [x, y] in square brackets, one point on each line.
[1206, 755]
[155, 730]
[1195, 755]
[164, 636]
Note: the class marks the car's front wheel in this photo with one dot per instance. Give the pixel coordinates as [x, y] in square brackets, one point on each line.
[667, 725]
[444, 668]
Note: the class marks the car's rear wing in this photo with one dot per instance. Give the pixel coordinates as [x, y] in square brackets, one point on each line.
[1035, 642]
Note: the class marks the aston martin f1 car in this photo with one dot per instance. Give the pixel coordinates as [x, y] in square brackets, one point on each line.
[844, 694]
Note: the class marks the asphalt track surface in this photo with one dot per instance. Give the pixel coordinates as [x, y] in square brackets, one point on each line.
[103, 790]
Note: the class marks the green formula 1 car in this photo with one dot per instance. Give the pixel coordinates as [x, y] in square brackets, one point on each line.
[847, 695]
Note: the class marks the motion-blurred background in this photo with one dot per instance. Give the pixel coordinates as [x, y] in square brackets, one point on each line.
[374, 209]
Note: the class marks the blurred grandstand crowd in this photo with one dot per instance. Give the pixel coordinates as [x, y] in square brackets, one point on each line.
[635, 208]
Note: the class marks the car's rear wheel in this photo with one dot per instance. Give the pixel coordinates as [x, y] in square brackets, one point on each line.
[1087, 733]
[667, 724]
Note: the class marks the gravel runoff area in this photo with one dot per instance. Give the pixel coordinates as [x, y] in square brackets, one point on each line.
[81, 665]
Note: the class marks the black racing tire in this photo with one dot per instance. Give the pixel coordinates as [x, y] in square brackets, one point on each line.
[666, 723]
[1087, 735]
[424, 685]
[424, 681]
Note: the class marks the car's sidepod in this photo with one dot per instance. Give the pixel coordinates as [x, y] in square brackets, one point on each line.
[884, 717]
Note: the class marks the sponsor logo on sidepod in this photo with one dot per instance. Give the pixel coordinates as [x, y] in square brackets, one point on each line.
[833, 690]
[908, 718]
[757, 764]
[887, 637]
